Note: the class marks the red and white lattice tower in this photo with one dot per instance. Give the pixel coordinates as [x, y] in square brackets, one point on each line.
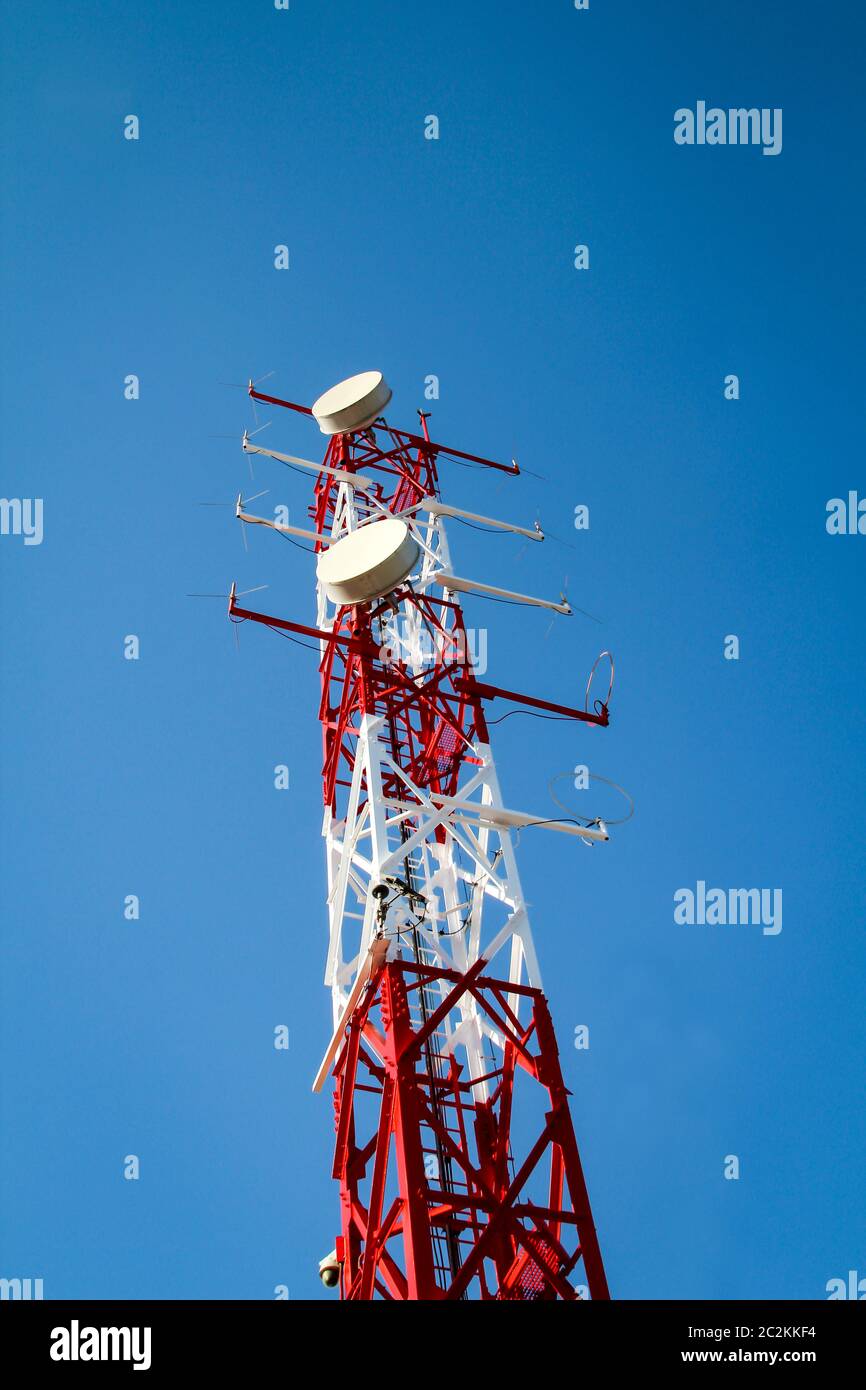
[455, 1152]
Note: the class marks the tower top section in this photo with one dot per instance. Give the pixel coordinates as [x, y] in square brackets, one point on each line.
[352, 404]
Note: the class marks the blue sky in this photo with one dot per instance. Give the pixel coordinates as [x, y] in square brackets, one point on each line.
[707, 518]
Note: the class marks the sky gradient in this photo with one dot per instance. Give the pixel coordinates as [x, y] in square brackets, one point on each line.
[154, 777]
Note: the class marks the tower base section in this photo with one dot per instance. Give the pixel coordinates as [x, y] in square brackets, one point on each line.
[441, 1197]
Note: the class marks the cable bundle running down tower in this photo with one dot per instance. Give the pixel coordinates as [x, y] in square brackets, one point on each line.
[455, 1152]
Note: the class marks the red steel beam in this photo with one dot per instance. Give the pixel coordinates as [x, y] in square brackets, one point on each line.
[404, 436]
[495, 692]
[352, 644]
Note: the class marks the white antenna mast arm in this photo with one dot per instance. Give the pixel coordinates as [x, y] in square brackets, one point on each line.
[432, 504]
[498, 817]
[356, 480]
[469, 586]
[279, 526]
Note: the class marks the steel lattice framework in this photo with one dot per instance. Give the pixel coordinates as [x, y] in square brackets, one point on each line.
[455, 1153]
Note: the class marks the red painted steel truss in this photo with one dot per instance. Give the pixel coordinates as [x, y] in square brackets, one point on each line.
[398, 1219]
[451, 1186]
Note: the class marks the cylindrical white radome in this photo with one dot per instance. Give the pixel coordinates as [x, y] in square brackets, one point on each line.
[352, 404]
[368, 562]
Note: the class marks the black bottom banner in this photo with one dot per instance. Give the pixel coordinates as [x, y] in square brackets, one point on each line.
[65, 1338]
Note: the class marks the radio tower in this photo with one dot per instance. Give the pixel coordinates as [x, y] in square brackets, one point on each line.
[455, 1153]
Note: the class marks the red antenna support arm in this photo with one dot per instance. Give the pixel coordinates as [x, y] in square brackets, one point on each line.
[495, 692]
[352, 644]
[404, 437]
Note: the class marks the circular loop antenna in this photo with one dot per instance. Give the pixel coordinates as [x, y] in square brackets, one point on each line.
[352, 404]
[606, 701]
[595, 777]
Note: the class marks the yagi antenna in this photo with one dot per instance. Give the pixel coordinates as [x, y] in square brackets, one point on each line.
[247, 385]
[239, 504]
[245, 500]
[232, 594]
